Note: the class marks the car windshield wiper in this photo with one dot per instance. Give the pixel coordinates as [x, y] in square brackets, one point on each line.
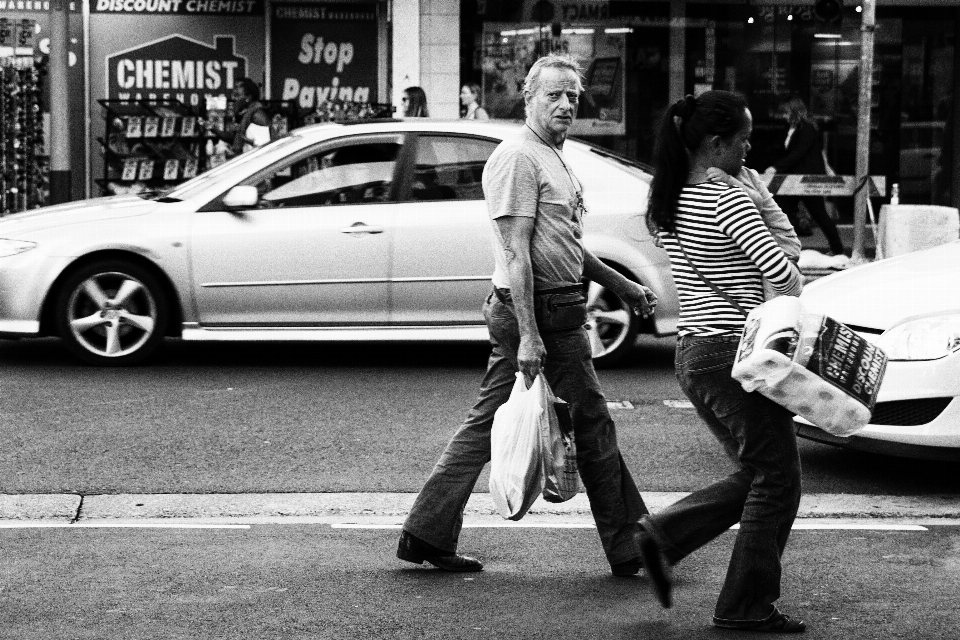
[168, 199]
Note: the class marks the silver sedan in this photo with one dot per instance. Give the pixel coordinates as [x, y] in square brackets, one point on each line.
[372, 231]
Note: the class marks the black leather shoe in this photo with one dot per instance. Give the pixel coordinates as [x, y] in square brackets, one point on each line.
[658, 571]
[776, 622]
[413, 549]
[629, 567]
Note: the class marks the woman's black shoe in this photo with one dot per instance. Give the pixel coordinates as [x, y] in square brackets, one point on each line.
[658, 571]
[413, 549]
[776, 622]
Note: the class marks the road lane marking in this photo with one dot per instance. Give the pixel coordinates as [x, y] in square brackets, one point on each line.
[117, 525]
[854, 527]
[577, 525]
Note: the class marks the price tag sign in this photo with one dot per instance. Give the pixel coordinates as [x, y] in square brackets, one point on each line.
[135, 127]
[170, 169]
[188, 127]
[129, 169]
[151, 127]
[25, 34]
[146, 170]
[6, 33]
[190, 168]
[168, 127]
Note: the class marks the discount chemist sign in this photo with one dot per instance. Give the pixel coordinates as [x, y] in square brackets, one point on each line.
[324, 52]
[175, 67]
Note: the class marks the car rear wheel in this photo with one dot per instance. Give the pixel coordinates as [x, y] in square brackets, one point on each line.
[611, 326]
[112, 313]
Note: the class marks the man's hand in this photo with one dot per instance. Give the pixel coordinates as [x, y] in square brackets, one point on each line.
[531, 356]
[638, 297]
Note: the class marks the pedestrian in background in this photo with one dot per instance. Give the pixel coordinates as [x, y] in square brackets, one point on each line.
[470, 108]
[535, 316]
[415, 103]
[250, 127]
[719, 247]
[803, 149]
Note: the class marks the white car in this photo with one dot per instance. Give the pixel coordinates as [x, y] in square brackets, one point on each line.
[369, 231]
[908, 305]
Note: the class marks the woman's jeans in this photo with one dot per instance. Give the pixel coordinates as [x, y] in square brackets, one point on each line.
[763, 495]
[437, 513]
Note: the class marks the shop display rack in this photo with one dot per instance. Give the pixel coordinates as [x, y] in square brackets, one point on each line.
[24, 169]
[151, 145]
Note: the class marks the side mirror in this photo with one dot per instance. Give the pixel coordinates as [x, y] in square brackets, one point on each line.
[242, 197]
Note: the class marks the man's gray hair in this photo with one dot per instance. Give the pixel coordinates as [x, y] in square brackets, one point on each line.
[554, 61]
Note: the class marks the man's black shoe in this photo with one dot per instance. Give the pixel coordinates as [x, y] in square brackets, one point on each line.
[413, 549]
[658, 571]
[776, 622]
[629, 567]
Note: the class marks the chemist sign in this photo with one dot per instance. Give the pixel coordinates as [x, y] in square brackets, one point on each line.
[175, 68]
[180, 7]
[323, 52]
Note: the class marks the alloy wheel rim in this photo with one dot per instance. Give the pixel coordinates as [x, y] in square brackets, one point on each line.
[112, 314]
[608, 320]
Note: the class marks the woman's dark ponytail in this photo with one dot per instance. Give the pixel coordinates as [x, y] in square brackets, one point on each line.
[670, 165]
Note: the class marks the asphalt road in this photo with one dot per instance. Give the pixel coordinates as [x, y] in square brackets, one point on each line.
[239, 418]
[314, 581]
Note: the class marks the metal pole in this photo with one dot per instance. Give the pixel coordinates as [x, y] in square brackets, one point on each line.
[60, 176]
[863, 129]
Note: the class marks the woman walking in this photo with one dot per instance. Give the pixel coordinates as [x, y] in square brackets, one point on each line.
[720, 251]
[803, 149]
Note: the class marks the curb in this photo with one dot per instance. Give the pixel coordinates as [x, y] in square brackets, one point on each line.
[73, 508]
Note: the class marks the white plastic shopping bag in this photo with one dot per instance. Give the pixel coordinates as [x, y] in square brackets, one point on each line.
[811, 364]
[516, 465]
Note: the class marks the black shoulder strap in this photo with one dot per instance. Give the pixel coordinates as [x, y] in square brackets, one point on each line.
[736, 305]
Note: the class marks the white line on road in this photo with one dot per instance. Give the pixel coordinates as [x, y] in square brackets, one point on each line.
[577, 525]
[116, 525]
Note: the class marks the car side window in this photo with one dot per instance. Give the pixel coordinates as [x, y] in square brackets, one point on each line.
[449, 167]
[349, 174]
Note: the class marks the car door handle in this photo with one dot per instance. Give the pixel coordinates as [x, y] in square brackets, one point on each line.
[359, 227]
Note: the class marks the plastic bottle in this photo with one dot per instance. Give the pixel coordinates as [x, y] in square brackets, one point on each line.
[895, 193]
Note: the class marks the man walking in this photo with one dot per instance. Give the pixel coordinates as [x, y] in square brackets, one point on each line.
[535, 316]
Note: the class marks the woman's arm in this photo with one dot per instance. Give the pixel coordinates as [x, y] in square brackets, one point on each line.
[740, 220]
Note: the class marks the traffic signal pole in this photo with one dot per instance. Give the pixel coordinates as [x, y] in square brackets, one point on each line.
[861, 202]
[60, 176]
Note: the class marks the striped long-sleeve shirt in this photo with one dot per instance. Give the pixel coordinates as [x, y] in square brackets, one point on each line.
[723, 234]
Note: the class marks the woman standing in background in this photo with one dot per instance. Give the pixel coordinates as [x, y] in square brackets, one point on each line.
[470, 108]
[415, 103]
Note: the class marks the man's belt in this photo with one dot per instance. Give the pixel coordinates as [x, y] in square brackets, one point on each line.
[503, 295]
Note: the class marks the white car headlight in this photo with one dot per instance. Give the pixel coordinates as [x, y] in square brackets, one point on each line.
[924, 338]
[13, 247]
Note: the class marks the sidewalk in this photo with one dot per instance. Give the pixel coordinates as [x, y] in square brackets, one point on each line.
[393, 507]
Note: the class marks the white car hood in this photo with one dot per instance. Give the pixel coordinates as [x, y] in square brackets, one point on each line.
[72, 213]
[880, 294]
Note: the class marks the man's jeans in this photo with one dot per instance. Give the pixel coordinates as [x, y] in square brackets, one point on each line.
[437, 513]
[763, 495]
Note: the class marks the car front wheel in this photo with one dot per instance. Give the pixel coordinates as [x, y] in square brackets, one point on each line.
[112, 313]
[611, 326]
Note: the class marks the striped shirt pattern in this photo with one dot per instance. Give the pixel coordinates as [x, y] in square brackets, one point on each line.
[725, 237]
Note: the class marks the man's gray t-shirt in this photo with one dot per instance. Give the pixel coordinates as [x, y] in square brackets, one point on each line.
[525, 177]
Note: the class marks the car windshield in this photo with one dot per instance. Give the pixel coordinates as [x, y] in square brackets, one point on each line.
[187, 189]
[632, 166]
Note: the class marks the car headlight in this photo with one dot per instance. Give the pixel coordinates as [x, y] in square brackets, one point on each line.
[13, 247]
[924, 338]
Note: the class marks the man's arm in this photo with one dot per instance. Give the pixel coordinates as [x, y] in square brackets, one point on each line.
[516, 233]
[642, 299]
